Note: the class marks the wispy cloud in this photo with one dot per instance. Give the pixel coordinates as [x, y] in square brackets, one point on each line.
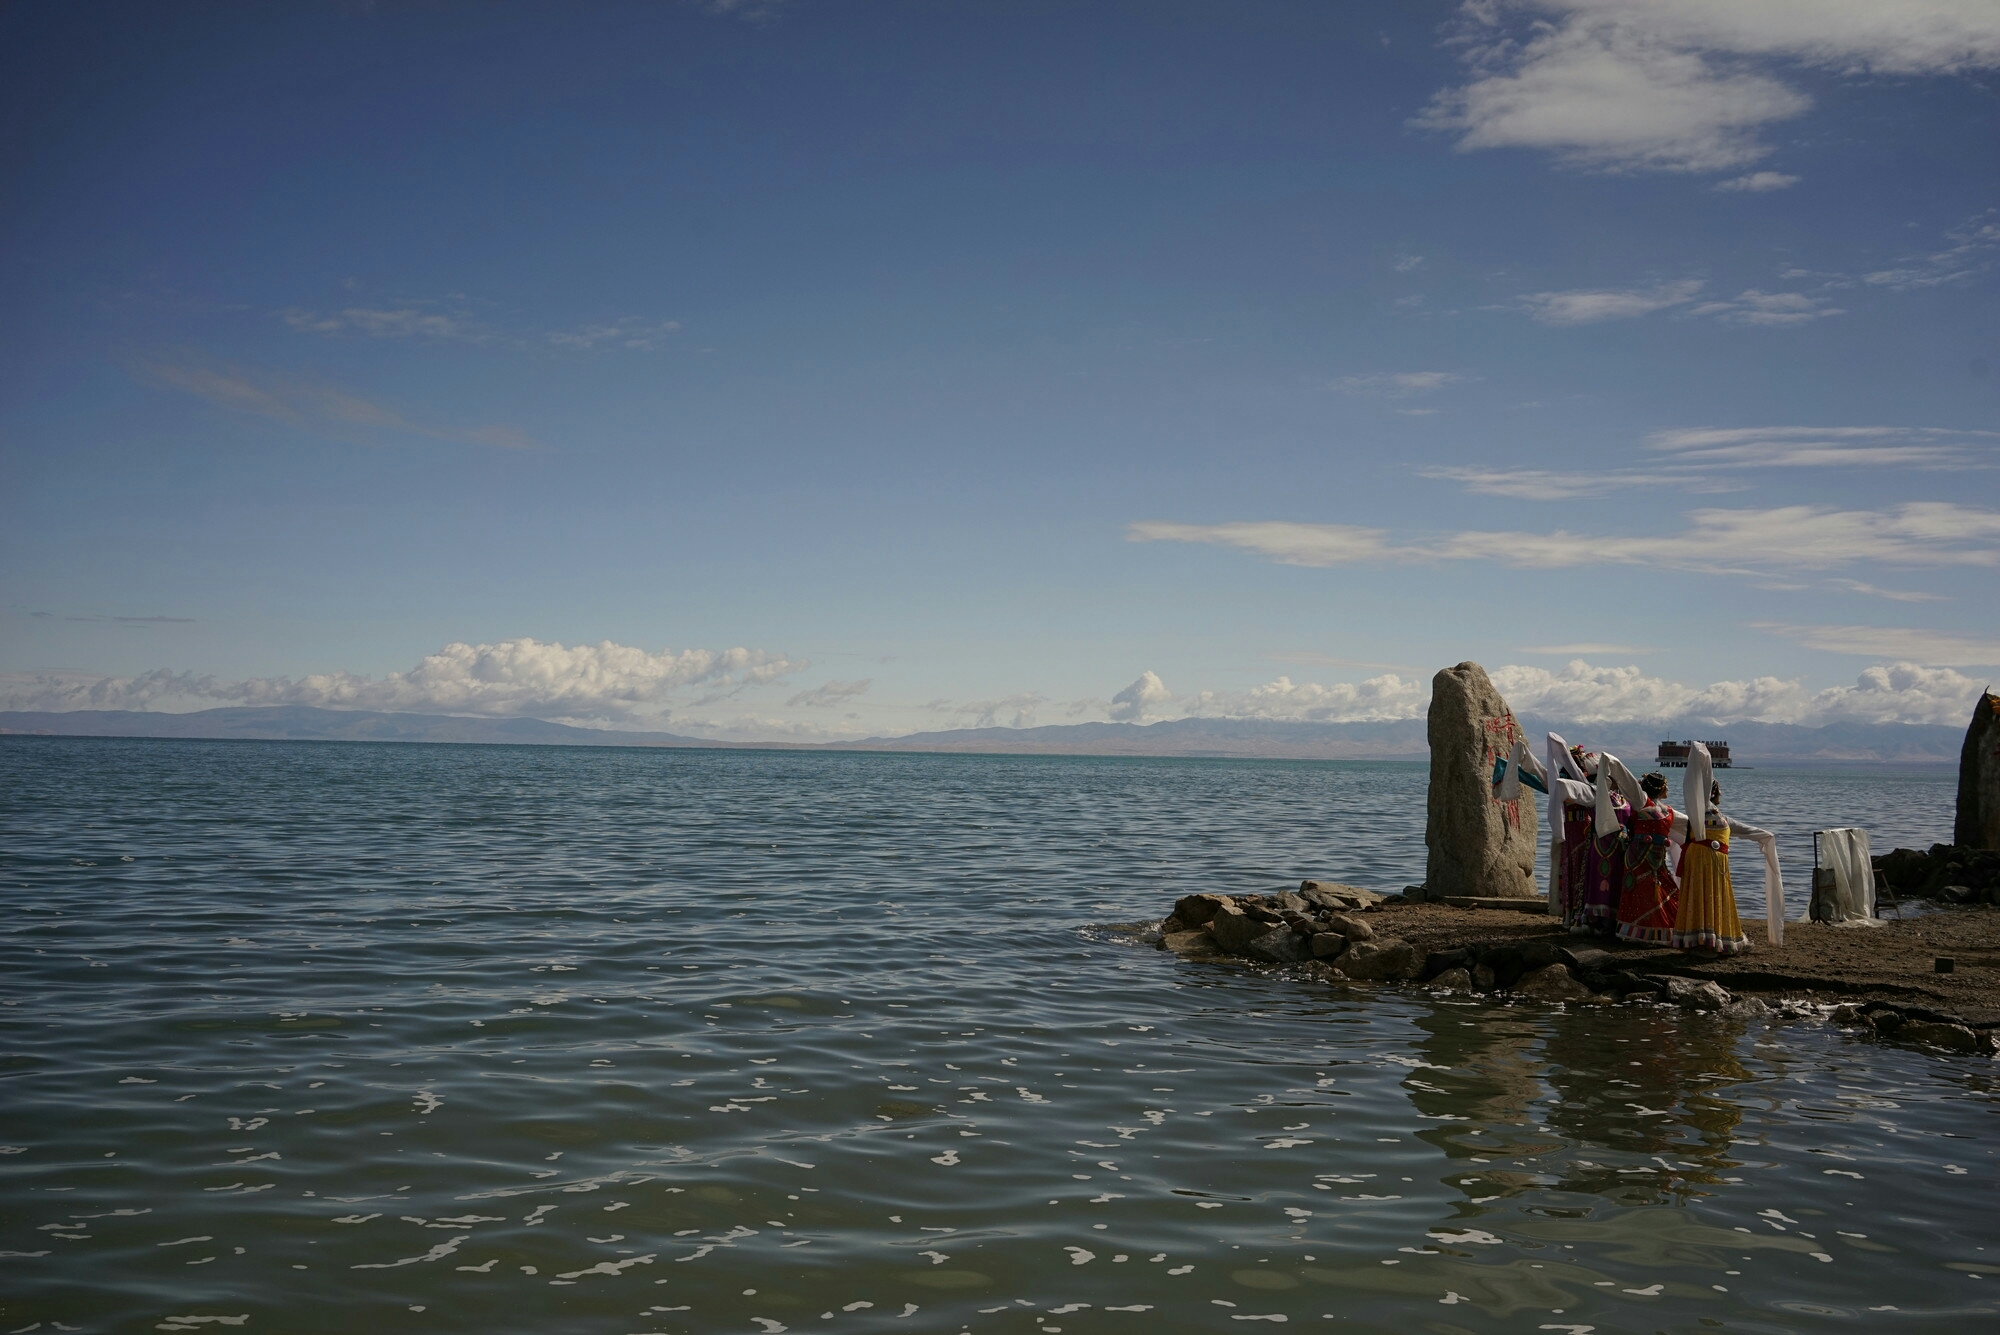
[1019, 710]
[1936, 647]
[1796, 537]
[831, 695]
[1893, 595]
[1829, 447]
[313, 405]
[1969, 254]
[416, 320]
[1566, 650]
[1596, 305]
[603, 682]
[1700, 458]
[1755, 306]
[632, 332]
[459, 319]
[1757, 183]
[1399, 384]
[1675, 85]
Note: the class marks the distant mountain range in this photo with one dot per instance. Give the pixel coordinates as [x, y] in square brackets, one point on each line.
[1404, 739]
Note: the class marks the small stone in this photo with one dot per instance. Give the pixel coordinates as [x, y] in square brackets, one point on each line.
[1194, 910]
[1958, 894]
[1350, 927]
[1172, 923]
[1452, 980]
[1551, 982]
[1483, 978]
[1287, 902]
[1746, 1008]
[1328, 945]
[1379, 961]
[1846, 1013]
[1942, 964]
[1321, 971]
[1702, 996]
[1885, 1021]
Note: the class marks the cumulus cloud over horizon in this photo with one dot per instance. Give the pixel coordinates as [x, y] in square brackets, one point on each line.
[1581, 692]
[525, 677]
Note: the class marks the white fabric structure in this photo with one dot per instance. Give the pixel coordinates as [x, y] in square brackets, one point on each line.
[1694, 792]
[1611, 773]
[1846, 852]
[1521, 764]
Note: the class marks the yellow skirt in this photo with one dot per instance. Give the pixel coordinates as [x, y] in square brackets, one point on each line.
[1706, 918]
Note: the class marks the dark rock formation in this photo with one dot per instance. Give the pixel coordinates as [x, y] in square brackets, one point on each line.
[1477, 844]
[1978, 823]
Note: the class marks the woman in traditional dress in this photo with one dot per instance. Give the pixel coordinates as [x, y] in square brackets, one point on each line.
[1601, 868]
[1705, 918]
[1650, 901]
[1572, 804]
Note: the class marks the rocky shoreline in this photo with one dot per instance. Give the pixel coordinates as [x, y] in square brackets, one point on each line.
[1931, 978]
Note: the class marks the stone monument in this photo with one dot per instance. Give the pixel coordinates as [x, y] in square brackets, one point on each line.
[1477, 844]
[1978, 824]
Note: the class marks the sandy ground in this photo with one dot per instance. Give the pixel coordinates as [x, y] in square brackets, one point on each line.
[1894, 962]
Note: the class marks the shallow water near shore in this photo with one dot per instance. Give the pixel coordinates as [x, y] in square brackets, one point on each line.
[318, 1037]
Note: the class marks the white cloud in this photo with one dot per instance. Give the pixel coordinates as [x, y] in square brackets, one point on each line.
[1668, 85]
[1580, 692]
[1379, 699]
[313, 405]
[1594, 305]
[830, 695]
[530, 678]
[1930, 646]
[1758, 182]
[1900, 692]
[1756, 306]
[1139, 701]
[1793, 537]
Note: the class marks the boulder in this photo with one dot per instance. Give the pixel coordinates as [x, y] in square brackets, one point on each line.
[1483, 977]
[1189, 943]
[1234, 929]
[1328, 945]
[1476, 844]
[1701, 996]
[1279, 945]
[1194, 910]
[1379, 961]
[1452, 980]
[1350, 927]
[1885, 1021]
[1957, 1037]
[1978, 823]
[1551, 982]
[1287, 902]
[1439, 961]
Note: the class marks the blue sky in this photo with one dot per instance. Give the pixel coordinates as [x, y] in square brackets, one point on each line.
[814, 369]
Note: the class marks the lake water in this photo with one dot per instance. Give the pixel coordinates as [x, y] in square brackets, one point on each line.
[322, 1037]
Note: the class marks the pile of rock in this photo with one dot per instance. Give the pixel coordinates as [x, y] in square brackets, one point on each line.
[1952, 873]
[1911, 1024]
[1316, 926]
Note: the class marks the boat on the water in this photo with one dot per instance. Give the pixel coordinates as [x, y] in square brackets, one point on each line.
[1674, 755]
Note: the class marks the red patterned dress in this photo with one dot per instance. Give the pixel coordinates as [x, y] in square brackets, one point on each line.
[1651, 896]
